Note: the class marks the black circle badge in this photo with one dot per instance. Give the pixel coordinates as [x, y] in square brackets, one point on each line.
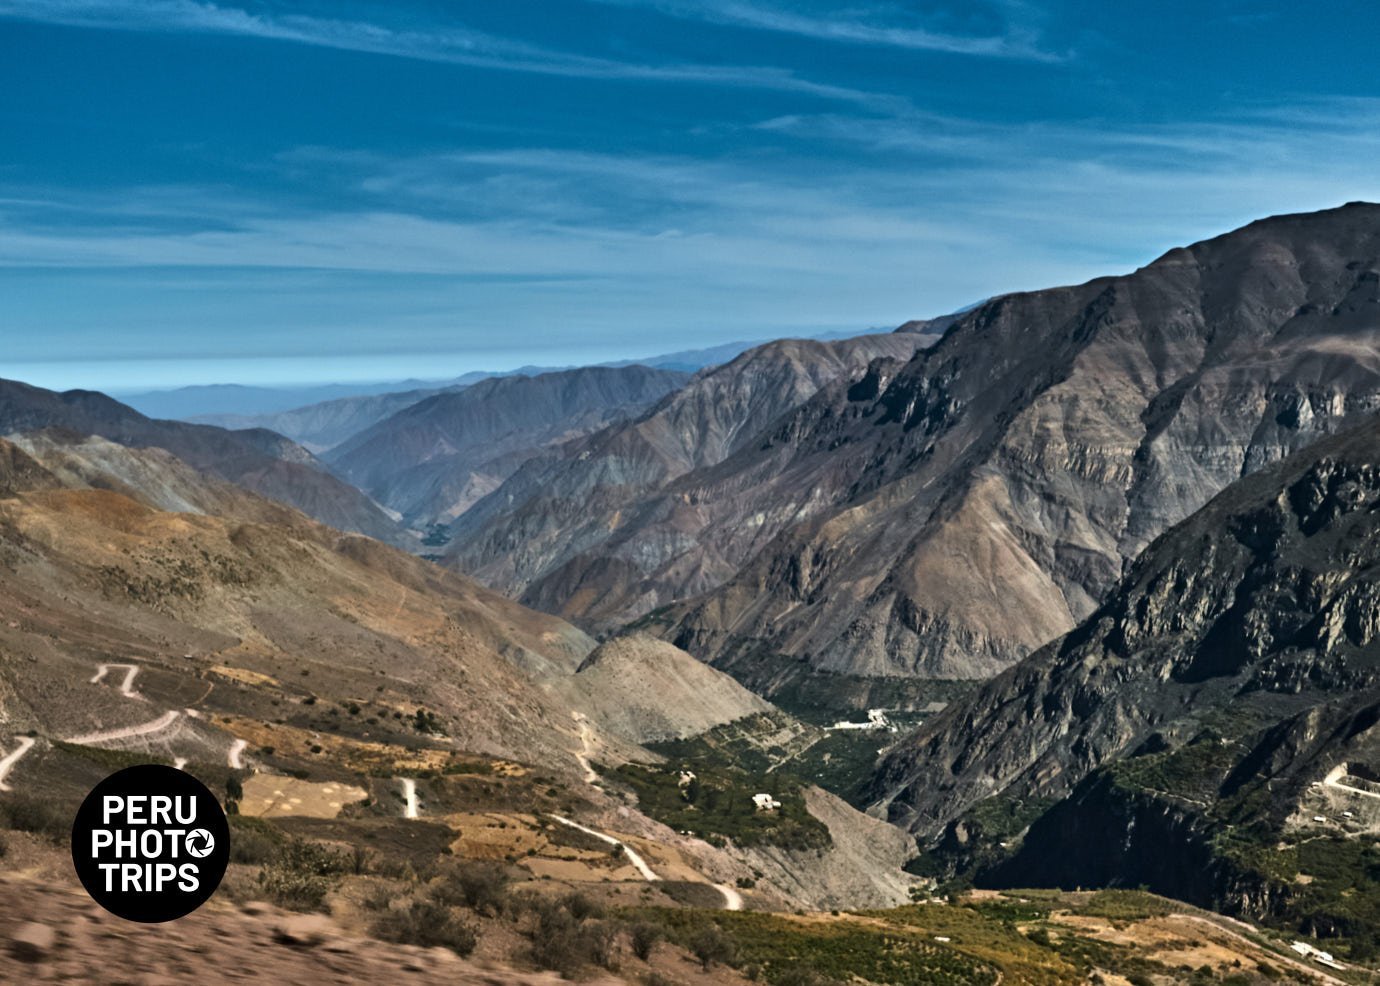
[150, 843]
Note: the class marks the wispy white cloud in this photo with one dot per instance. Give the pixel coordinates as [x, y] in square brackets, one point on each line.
[451, 44]
[853, 28]
[816, 221]
[939, 211]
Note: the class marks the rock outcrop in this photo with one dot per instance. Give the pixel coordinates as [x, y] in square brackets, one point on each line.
[644, 690]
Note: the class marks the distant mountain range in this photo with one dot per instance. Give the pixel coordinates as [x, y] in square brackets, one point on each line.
[434, 458]
[258, 460]
[240, 406]
[612, 526]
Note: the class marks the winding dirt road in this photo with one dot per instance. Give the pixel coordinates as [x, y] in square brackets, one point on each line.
[733, 901]
[587, 745]
[26, 744]
[1334, 780]
[126, 686]
[637, 861]
[143, 729]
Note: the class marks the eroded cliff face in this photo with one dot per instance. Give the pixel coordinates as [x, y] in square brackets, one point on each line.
[954, 514]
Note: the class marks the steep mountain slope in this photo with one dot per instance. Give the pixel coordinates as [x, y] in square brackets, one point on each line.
[946, 518]
[645, 690]
[258, 460]
[1211, 729]
[434, 459]
[91, 575]
[608, 527]
[150, 475]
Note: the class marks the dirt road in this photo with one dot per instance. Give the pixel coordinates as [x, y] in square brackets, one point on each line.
[126, 686]
[143, 729]
[7, 764]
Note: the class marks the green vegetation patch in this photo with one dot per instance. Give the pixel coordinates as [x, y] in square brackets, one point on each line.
[107, 759]
[717, 805]
[1129, 905]
[780, 950]
[1192, 773]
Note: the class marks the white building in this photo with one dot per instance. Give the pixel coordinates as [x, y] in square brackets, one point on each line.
[765, 802]
[1316, 954]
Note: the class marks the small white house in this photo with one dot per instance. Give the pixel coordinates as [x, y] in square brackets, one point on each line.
[686, 777]
[765, 802]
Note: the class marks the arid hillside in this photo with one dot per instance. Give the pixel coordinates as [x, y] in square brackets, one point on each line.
[330, 680]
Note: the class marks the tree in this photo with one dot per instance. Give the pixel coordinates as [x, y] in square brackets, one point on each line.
[711, 945]
[645, 936]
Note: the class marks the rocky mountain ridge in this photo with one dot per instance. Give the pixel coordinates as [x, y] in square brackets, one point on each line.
[608, 527]
[433, 459]
[946, 517]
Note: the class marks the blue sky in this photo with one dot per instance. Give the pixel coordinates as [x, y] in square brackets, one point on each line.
[283, 191]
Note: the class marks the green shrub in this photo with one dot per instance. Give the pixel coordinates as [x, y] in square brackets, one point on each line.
[38, 816]
[300, 874]
[601, 943]
[426, 923]
[480, 886]
[253, 840]
[711, 945]
[556, 941]
[361, 860]
[582, 908]
[644, 937]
